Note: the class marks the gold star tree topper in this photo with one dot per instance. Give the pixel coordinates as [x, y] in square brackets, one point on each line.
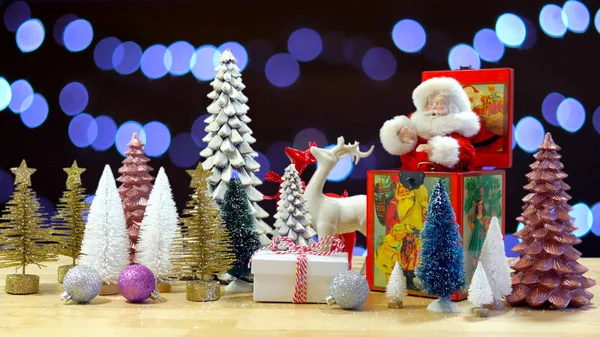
[74, 174]
[23, 174]
[199, 176]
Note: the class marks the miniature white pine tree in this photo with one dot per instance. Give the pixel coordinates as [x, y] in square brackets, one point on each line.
[293, 218]
[494, 262]
[105, 245]
[158, 229]
[480, 292]
[229, 138]
[396, 287]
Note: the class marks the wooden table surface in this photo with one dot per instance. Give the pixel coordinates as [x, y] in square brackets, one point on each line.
[238, 315]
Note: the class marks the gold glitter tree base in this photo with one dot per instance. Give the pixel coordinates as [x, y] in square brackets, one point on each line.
[109, 289]
[22, 284]
[62, 271]
[395, 304]
[163, 287]
[203, 291]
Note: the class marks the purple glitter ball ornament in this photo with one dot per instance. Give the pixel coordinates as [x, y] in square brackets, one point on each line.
[137, 283]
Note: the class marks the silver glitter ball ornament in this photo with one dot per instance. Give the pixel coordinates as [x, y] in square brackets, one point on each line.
[82, 284]
[349, 290]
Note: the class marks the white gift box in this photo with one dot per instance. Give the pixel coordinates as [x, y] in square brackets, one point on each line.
[275, 275]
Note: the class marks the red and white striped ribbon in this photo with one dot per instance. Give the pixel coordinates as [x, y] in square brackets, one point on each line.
[335, 245]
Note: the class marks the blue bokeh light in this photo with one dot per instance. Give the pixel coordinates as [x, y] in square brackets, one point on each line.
[202, 65]
[156, 61]
[89, 198]
[409, 36]
[342, 169]
[509, 242]
[78, 35]
[59, 27]
[158, 139]
[282, 70]
[238, 51]
[275, 153]
[379, 64]
[309, 135]
[46, 207]
[514, 138]
[597, 20]
[73, 98]
[15, 14]
[22, 96]
[553, 21]
[125, 133]
[358, 251]
[6, 186]
[265, 166]
[365, 164]
[583, 219]
[184, 152]
[578, 16]
[511, 30]
[126, 58]
[305, 44]
[596, 119]
[355, 49]
[37, 112]
[595, 215]
[529, 134]
[488, 46]
[5, 93]
[550, 107]
[103, 52]
[519, 227]
[107, 131]
[83, 130]
[181, 56]
[198, 131]
[463, 55]
[570, 114]
[30, 35]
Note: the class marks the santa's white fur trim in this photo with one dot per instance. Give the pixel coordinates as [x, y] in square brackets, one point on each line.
[459, 101]
[465, 123]
[388, 135]
[445, 151]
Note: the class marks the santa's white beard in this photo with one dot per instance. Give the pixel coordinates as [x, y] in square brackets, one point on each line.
[429, 126]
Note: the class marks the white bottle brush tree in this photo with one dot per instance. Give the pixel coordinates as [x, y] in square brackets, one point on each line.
[396, 287]
[480, 292]
[293, 218]
[158, 230]
[229, 139]
[105, 245]
[494, 262]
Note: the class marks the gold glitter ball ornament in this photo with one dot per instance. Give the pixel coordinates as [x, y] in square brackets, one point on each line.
[22, 284]
[203, 291]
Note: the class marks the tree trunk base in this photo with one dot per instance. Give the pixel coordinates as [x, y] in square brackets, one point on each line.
[109, 289]
[497, 305]
[163, 287]
[62, 272]
[481, 312]
[395, 304]
[202, 291]
[22, 284]
[443, 305]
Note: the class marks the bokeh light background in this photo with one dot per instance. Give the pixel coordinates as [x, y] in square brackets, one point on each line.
[76, 80]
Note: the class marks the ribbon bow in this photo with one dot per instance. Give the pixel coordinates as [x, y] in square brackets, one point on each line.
[318, 248]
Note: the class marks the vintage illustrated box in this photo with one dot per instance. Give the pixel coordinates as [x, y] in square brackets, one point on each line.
[275, 276]
[396, 210]
[397, 200]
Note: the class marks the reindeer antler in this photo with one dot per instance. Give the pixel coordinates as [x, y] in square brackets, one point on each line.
[358, 154]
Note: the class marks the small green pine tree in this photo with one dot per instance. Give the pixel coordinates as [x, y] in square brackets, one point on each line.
[236, 214]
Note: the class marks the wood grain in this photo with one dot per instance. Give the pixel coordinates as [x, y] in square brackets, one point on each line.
[237, 315]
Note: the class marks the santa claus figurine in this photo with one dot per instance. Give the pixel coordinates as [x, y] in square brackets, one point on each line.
[436, 136]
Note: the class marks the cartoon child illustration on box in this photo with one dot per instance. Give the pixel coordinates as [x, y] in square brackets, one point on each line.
[388, 252]
[479, 222]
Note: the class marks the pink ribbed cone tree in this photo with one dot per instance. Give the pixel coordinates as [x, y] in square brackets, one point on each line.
[547, 273]
[136, 184]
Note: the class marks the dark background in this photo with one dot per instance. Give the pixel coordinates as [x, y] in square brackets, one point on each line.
[336, 98]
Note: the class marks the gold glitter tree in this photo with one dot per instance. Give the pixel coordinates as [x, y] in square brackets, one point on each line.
[69, 223]
[202, 247]
[24, 239]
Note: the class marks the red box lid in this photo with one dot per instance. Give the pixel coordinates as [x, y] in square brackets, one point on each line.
[492, 96]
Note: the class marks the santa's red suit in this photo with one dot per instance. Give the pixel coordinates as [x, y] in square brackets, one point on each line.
[448, 135]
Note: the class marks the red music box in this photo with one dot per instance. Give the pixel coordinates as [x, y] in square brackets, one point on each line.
[397, 200]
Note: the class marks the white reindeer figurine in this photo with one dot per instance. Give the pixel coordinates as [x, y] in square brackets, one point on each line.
[331, 216]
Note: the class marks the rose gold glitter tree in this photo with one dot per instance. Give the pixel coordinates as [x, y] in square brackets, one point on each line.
[547, 272]
[135, 189]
